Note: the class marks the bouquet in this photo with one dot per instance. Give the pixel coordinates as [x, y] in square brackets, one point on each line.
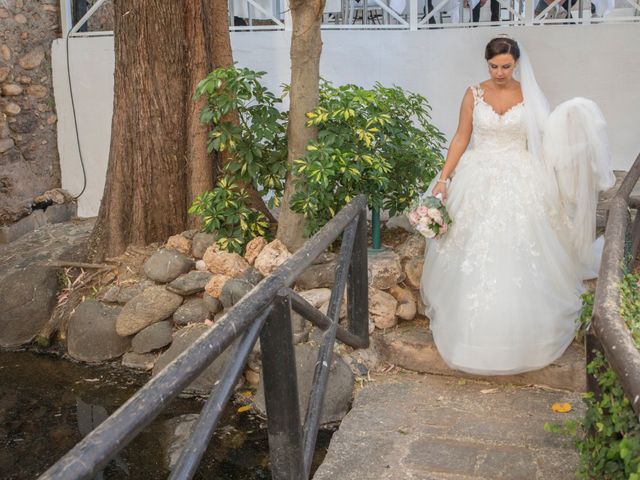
[429, 216]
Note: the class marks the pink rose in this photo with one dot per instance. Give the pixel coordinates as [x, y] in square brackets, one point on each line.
[422, 211]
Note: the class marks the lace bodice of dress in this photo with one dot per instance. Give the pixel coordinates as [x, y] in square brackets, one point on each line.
[494, 132]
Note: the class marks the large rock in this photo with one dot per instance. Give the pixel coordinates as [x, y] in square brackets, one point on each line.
[153, 337]
[316, 296]
[189, 283]
[406, 309]
[181, 341]
[91, 336]
[271, 257]
[212, 303]
[339, 388]
[252, 276]
[139, 361]
[253, 249]
[201, 241]
[382, 308]
[385, 270]
[167, 265]
[153, 305]
[233, 291]
[194, 310]
[317, 276]
[225, 263]
[179, 243]
[125, 292]
[414, 246]
[27, 299]
[413, 271]
[215, 284]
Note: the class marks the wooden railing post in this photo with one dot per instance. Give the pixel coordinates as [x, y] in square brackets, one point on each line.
[281, 393]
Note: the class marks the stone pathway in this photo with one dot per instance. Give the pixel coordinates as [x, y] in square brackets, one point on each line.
[430, 427]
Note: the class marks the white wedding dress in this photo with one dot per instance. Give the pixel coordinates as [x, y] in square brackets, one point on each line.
[502, 287]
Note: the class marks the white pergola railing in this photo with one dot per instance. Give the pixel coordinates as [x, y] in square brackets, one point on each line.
[255, 15]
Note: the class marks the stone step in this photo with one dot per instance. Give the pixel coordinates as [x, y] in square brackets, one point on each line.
[411, 347]
[431, 427]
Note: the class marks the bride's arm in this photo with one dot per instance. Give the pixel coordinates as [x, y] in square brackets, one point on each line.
[459, 142]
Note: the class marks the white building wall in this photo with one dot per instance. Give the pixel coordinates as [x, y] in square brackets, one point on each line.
[600, 62]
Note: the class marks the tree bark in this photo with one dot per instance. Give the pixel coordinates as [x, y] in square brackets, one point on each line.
[158, 161]
[306, 47]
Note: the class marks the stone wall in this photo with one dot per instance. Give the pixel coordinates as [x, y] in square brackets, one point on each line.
[102, 19]
[29, 163]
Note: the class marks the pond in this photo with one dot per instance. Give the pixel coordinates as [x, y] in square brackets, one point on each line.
[47, 404]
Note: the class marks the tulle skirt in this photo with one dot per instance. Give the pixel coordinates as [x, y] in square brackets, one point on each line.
[501, 288]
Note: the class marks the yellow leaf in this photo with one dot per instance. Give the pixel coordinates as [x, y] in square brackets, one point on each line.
[561, 407]
[244, 408]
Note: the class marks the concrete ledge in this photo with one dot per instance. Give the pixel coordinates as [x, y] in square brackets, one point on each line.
[411, 347]
[56, 213]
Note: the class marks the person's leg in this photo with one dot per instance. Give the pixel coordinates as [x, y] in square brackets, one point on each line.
[429, 10]
[495, 11]
[476, 13]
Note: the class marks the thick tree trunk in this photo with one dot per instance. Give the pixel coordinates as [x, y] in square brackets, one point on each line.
[145, 196]
[158, 161]
[306, 46]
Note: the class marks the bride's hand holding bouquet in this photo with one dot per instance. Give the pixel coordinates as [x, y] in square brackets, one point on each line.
[429, 216]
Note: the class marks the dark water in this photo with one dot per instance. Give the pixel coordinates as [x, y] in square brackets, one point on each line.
[48, 404]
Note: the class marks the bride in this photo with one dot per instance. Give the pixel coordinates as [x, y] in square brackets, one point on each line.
[503, 286]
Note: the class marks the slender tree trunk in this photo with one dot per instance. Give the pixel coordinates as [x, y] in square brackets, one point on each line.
[306, 46]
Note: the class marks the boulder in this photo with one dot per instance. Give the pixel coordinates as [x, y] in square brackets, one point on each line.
[225, 263]
[414, 246]
[153, 305]
[233, 291]
[325, 257]
[213, 304]
[210, 251]
[166, 265]
[252, 276]
[153, 337]
[181, 341]
[124, 292]
[253, 249]
[385, 270]
[382, 308]
[317, 276]
[179, 243]
[91, 335]
[189, 283]
[271, 257]
[139, 361]
[194, 310]
[339, 388]
[316, 296]
[215, 284]
[27, 299]
[201, 241]
[400, 221]
[413, 271]
[406, 309]
[201, 266]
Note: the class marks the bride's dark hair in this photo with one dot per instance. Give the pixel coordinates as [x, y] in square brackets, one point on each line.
[500, 46]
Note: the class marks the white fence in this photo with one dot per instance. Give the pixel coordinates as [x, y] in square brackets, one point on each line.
[414, 15]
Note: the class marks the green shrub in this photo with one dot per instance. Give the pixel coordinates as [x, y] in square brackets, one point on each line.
[608, 437]
[376, 141]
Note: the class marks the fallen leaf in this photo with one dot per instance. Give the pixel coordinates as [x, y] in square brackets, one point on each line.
[561, 407]
[244, 408]
[489, 390]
